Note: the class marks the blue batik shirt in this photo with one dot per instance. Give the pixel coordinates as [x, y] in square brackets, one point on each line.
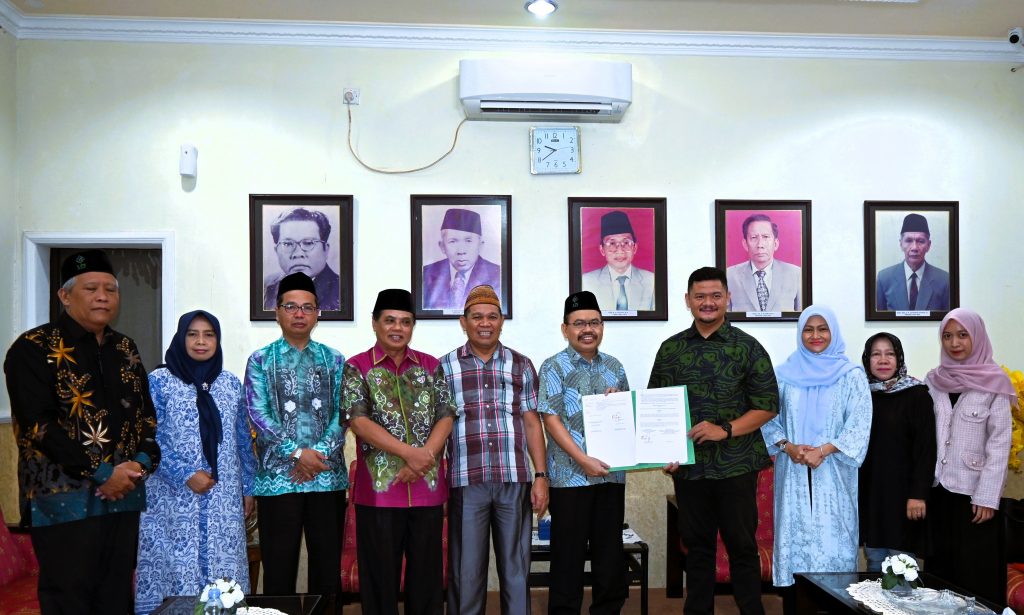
[564, 379]
[294, 401]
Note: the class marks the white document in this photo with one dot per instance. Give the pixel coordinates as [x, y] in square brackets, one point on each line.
[608, 425]
[633, 430]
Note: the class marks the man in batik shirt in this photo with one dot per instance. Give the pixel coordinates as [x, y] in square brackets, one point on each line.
[397, 403]
[496, 428]
[732, 391]
[588, 503]
[85, 428]
[293, 392]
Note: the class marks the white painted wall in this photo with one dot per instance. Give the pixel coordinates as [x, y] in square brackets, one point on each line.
[100, 124]
[8, 186]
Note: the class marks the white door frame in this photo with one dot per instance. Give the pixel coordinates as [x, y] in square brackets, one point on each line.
[36, 247]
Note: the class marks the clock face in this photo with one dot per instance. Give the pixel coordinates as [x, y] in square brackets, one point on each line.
[555, 149]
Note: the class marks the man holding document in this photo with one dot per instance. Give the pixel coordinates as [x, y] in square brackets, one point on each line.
[732, 392]
[587, 501]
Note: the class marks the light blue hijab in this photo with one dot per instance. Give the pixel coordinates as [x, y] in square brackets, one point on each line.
[814, 374]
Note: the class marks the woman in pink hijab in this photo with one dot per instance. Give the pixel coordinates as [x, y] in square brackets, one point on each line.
[972, 397]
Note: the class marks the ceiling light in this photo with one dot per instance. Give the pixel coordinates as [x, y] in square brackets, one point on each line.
[541, 8]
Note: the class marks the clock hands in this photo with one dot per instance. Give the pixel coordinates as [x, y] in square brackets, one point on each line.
[553, 150]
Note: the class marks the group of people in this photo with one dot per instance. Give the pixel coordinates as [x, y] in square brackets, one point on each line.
[119, 471]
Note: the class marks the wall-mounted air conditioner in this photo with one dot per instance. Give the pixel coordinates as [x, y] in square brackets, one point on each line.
[538, 89]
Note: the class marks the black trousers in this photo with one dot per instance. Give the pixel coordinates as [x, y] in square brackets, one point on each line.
[383, 536]
[283, 519]
[85, 567]
[582, 515]
[729, 506]
[971, 555]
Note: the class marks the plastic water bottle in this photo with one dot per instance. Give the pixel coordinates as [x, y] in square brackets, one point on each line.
[213, 604]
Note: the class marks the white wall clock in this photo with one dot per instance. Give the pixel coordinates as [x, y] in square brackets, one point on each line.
[555, 149]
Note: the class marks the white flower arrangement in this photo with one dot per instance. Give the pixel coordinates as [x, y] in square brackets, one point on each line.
[900, 569]
[231, 596]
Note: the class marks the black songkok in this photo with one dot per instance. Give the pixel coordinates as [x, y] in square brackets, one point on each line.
[583, 300]
[393, 299]
[84, 262]
[615, 223]
[462, 220]
[915, 223]
[296, 281]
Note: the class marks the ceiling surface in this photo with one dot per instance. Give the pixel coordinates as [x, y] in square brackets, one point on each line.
[933, 18]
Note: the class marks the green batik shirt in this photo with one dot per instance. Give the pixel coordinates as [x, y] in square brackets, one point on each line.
[407, 400]
[725, 375]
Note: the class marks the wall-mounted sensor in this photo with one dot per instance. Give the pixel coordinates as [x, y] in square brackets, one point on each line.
[188, 161]
[1016, 37]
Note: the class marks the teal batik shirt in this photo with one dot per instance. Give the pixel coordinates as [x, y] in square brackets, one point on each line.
[564, 379]
[725, 375]
[294, 401]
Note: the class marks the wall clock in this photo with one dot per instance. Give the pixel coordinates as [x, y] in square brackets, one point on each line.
[555, 149]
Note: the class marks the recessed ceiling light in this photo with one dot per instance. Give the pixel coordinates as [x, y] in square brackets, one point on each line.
[541, 8]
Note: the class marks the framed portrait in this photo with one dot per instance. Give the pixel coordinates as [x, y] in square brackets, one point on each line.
[911, 259]
[291, 233]
[617, 251]
[458, 243]
[765, 249]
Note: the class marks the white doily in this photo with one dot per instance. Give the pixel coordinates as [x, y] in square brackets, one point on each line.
[257, 610]
[924, 600]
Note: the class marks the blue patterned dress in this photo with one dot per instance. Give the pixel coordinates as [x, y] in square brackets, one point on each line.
[819, 536]
[186, 539]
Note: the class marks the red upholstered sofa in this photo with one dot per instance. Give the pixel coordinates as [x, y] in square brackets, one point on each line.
[349, 560]
[19, 572]
[675, 557]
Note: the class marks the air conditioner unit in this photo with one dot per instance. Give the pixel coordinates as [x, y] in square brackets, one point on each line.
[528, 89]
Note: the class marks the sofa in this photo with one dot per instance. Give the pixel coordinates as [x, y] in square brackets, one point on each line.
[19, 572]
[675, 551]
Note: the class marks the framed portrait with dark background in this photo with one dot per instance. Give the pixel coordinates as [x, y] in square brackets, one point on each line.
[911, 259]
[617, 251]
[460, 242]
[306, 233]
[765, 249]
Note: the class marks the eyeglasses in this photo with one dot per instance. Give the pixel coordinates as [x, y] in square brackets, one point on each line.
[615, 246]
[307, 245]
[307, 308]
[714, 297]
[583, 324]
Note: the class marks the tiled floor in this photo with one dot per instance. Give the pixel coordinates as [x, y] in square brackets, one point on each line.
[658, 604]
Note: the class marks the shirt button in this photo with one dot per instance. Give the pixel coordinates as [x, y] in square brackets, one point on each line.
[492, 444]
[486, 385]
[947, 442]
[943, 461]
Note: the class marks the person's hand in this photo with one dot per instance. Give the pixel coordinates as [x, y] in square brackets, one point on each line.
[915, 509]
[539, 496]
[248, 505]
[811, 456]
[200, 482]
[982, 513]
[795, 452]
[310, 463]
[706, 432]
[670, 468]
[121, 481]
[419, 459]
[611, 390]
[592, 466]
[405, 475]
[299, 475]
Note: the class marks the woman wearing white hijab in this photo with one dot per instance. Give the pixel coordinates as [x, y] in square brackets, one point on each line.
[820, 437]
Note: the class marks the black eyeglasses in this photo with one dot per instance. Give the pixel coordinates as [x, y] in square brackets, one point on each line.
[307, 245]
[307, 308]
[583, 324]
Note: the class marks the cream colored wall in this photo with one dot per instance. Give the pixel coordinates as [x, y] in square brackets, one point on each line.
[8, 239]
[99, 125]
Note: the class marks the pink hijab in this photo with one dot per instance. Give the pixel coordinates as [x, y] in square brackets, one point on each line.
[977, 372]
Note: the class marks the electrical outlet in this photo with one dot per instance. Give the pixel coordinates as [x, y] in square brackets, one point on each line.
[350, 96]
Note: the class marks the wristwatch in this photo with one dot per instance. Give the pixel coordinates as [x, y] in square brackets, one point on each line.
[296, 455]
[540, 475]
[727, 426]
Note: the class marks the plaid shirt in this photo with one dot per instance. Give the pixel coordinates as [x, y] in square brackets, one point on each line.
[488, 441]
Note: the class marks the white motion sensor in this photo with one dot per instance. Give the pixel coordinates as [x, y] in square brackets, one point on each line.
[1016, 37]
[189, 160]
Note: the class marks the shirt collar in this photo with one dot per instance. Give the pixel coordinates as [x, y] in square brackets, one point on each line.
[725, 331]
[377, 355]
[575, 357]
[77, 331]
[754, 269]
[907, 271]
[466, 351]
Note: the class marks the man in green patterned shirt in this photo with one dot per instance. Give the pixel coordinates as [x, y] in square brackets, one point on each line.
[732, 392]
